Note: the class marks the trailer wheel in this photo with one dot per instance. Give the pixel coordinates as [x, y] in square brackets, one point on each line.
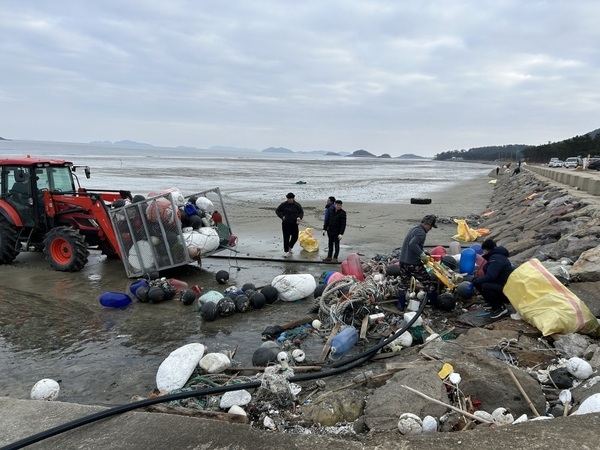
[66, 249]
[8, 242]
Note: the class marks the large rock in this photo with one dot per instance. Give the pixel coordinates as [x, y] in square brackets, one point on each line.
[335, 407]
[587, 266]
[388, 402]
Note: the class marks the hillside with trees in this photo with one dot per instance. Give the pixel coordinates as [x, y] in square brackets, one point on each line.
[588, 144]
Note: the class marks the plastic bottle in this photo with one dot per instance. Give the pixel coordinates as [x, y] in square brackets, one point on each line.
[467, 261]
[343, 342]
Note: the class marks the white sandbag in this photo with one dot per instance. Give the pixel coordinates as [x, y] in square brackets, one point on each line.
[177, 368]
[294, 286]
[203, 240]
[215, 363]
[142, 260]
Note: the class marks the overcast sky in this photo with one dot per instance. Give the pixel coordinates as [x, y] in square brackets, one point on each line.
[387, 76]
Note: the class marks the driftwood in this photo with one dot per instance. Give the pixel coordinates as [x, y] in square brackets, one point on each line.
[233, 418]
[523, 393]
[327, 347]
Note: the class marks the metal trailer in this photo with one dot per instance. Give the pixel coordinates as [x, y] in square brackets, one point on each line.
[151, 238]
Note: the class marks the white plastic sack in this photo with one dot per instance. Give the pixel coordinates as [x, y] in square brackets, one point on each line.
[294, 286]
[204, 240]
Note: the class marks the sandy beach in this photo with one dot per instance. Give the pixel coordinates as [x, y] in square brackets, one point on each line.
[375, 228]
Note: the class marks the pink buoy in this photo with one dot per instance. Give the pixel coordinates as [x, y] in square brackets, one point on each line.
[334, 277]
[353, 266]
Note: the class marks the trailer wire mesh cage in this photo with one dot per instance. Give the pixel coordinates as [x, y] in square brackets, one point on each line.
[170, 230]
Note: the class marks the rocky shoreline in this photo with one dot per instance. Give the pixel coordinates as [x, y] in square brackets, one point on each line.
[504, 365]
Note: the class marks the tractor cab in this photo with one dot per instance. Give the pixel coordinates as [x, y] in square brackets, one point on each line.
[23, 185]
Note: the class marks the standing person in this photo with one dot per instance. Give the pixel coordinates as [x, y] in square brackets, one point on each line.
[335, 225]
[329, 207]
[412, 260]
[291, 213]
[495, 275]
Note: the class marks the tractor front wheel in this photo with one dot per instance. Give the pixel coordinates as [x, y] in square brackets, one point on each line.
[66, 249]
[8, 242]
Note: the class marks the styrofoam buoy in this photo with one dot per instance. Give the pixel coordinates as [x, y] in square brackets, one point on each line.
[45, 389]
[141, 256]
[410, 424]
[579, 368]
[114, 299]
[177, 368]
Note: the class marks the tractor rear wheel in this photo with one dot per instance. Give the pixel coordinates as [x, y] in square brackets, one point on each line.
[66, 249]
[8, 242]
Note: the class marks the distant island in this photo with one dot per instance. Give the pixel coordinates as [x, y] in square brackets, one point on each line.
[282, 150]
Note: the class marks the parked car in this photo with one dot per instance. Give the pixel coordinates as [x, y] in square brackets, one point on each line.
[594, 164]
[571, 162]
[555, 162]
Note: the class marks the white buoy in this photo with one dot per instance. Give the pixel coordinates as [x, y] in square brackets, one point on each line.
[410, 424]
[45, 389]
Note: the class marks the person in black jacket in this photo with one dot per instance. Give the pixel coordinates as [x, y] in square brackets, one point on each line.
[335, 225]
[291, 213]
[496, 271]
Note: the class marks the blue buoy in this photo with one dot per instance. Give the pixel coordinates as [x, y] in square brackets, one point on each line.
[133, 287]
[114, 299]
[477, 248]
[467, 261]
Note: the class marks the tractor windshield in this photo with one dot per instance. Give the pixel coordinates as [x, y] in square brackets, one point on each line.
[55, 179]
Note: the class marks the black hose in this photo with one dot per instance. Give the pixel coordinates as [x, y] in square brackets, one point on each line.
[337, 367]
[256, 258]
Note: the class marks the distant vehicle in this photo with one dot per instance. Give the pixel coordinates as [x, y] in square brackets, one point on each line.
[571, 162]
[555, 162]
[594, 164]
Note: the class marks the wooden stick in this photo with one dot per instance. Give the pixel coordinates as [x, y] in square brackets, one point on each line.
[363, 327]
[358, 383]
[327, 346]
[458, 410]
[233, 418]
[523, 393]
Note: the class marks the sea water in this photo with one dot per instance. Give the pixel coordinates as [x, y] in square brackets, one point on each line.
[253, 176]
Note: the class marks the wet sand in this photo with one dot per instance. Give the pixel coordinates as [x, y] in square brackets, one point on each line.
[51, 324]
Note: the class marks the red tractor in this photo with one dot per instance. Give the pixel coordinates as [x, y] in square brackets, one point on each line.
[44, 208]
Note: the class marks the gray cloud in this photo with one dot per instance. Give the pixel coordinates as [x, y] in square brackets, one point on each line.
[395, 77]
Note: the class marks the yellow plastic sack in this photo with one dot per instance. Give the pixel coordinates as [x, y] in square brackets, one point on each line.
[464, 232]
[543, 301]
[307, 241]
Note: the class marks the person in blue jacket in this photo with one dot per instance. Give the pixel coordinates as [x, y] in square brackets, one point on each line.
[291, 213]
[496, 271]
[329, 207]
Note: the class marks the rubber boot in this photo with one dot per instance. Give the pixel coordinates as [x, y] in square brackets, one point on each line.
[432, 299]
[401, 304]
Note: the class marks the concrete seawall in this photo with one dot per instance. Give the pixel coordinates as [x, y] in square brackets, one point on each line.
[586, 181]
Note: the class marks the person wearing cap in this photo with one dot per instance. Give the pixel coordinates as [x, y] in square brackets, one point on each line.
[412, 260]
[496, 271]
[291, 213]
[335, 225]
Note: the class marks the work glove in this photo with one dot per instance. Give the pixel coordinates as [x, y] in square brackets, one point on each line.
[339, 237]
[323, 232]
[424, 258]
